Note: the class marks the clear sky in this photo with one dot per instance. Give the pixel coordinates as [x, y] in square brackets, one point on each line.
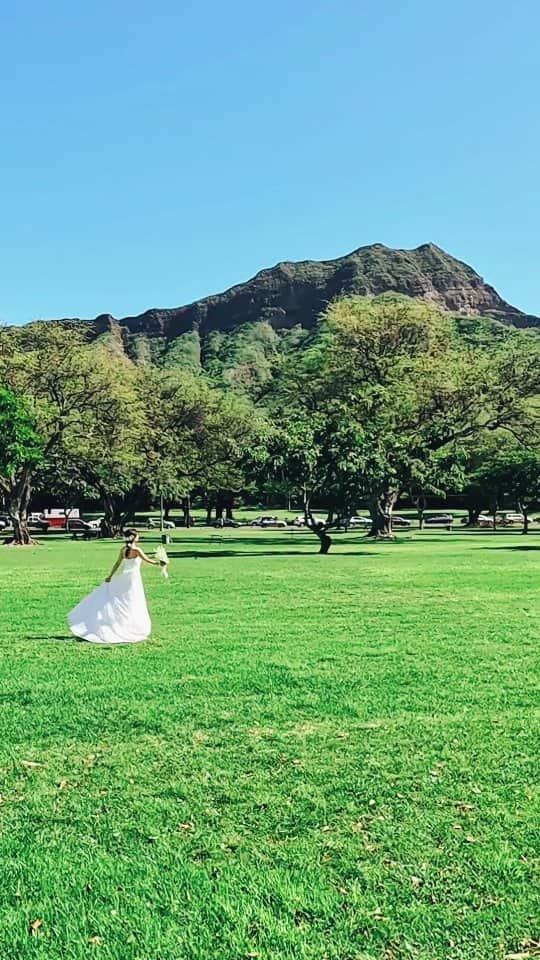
[153, 153]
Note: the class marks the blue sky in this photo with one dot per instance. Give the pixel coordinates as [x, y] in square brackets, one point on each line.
[153, 153]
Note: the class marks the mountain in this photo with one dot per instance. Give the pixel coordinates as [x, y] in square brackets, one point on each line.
[292, 294]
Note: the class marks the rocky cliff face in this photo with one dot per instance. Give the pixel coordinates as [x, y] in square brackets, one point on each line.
[296, 293]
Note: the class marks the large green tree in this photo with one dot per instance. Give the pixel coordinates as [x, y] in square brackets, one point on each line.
[65, 385]
[198, 435]
[21, 452]
[503, 474]
[384, 396]
[108, 456]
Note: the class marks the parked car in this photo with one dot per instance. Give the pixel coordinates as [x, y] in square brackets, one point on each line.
[400, 521]
[485, 520]
[154, 524]
[77, 523]
[439, 520]
[503, 519]
[87, 529]
[268, 521]
[508, 519]
[227, 522]
[362, 523]
[5, 521]
[300, 520]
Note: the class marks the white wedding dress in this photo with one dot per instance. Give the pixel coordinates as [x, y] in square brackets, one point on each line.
[115, 612]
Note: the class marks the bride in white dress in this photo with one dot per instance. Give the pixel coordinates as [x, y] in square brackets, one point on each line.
[116, 611]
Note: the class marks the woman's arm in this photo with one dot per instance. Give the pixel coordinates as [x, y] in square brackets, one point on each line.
[115, 568]
[140, 553]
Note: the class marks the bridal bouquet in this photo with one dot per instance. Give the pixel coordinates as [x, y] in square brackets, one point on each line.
[162, 558]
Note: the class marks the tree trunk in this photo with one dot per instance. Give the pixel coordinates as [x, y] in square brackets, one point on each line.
[116, 515]
[381, 506]
[373, 506]
[421, 504]
[17, 507]
[186, 510]
[229, 507]
[525, 511]
[474, 513]
[21, 534]
[319, 529]
[209, 507]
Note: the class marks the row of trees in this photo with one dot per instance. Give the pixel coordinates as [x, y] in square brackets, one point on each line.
[80, 420]
[386, 396]
[389, 398]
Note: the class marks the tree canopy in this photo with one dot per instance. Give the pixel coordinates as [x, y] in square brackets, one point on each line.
[386, 396]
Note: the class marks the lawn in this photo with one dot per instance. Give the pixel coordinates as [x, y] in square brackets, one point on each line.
[314, 758]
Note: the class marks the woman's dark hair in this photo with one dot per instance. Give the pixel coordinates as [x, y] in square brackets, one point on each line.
[130, 536]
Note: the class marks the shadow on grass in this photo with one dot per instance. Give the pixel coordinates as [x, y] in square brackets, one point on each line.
[238, 554]
[512, 546]
[261, 540]
[77, 641]
[66, 637]
[488, 536]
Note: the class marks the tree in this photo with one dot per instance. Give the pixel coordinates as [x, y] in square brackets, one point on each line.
[162, 432]
[109, 456]
[65, 384]
[354, 402]
[198, 435]
[242, 359]
[386, 394]
[509, 473]
[315, 453]
[59, 480]
[522, 474]
[21, 451]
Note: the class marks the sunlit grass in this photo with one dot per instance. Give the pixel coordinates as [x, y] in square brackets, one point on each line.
[314, 757]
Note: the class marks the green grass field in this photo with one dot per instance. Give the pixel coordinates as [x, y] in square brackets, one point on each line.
[318, 758]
